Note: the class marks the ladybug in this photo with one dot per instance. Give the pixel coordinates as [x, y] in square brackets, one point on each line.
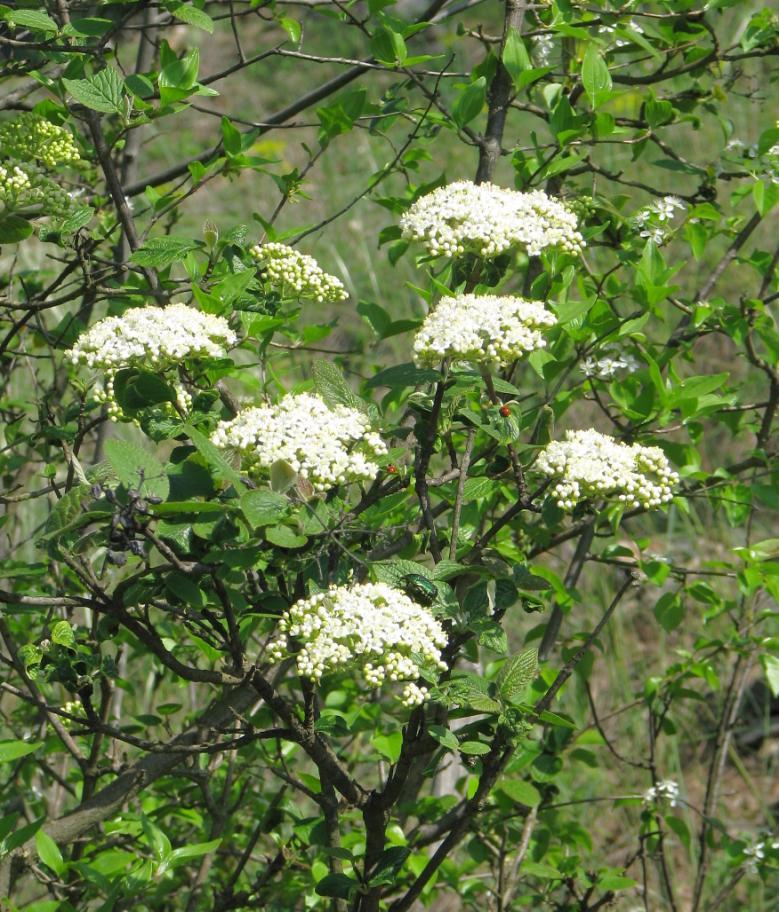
[392, 470]
[505, 411]
[420, 588]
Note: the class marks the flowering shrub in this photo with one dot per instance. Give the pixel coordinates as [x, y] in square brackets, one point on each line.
[374, 602]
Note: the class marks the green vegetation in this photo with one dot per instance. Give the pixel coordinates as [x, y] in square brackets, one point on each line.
[375, 540]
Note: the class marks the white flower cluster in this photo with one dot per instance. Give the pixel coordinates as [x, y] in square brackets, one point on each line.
[153, 337]
[482, 328]
[489, 220]
[156, 338]
[666, 789]
[30, 137]
[288, 268]
[610, 362]
[590, 464]
[755, 854]
[326, 446]
[654, 220]
[542, 49]
[370, 627]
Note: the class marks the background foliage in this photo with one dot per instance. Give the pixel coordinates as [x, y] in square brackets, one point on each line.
[151, 756]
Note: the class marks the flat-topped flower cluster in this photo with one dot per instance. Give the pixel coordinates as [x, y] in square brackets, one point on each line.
[590, 464]
[153, 337]
[488, 220]
[370, 628]
[482, 329]
[291, 270]
[31, 138]
[326, 446]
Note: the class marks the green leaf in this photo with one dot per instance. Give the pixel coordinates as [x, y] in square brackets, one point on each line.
[338, 886]
[193, 16]
[554, 719]
[517, 672]
[49, 852]
[284, 537]
[770, 665]
[596, 78]
[62, 634]
[669, 611]
[470, 102]
[13, 750]
[13, 228]
[402, 375]
[178, 856]
[515, 57]
[160, 252]
[388, 46]
[102, 92]
[136, 468]
[32, 19]
[138, 389]
[332, 387]
[263, 507]
[475, 748]
[388, 746]
[292, 28]
[214, 457]
[521, 791]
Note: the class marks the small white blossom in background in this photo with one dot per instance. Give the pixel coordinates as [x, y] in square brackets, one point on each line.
[654, 220]
[30, 137]
[482, 329]
[489, 220]
[151, 337]
[289, 269]
[590, 464]
[664, 790]
[609, 362]
[327, 446]
[755, 854]
[370, 628]
[542, 49]
[73, 708]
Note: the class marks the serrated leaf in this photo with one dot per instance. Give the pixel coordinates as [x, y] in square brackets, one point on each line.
[102, 92]
[215, 458]
[264, 508]
[332, 387]
[62, 634]
[161, 252]
[192, 16]
[517, 673]
[31, 19]
[136, 468]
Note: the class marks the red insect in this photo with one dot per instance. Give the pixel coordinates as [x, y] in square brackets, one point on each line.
[505, 411]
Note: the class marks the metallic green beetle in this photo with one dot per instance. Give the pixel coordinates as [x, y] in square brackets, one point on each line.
[420, 588]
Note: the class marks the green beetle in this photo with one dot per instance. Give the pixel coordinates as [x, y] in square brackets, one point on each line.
[420, 588]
